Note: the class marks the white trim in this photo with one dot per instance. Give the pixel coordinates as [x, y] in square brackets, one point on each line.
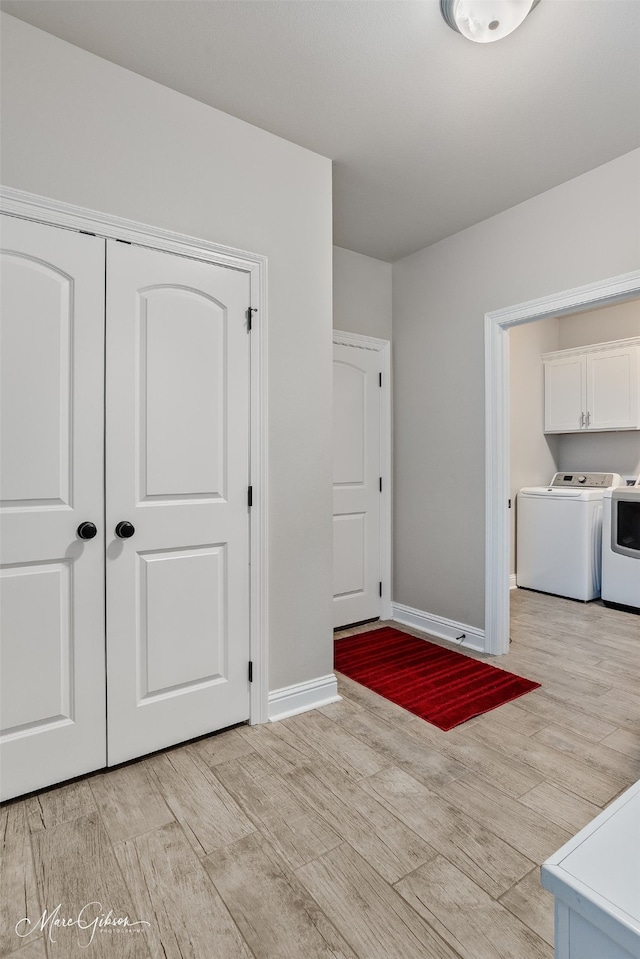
[497, 535]
[384, 348]
[439, 626]
[66, 215]
[33, 207]
[301, 697]
[592, 348]
[512, 581]
[259, 453]
[360, 341]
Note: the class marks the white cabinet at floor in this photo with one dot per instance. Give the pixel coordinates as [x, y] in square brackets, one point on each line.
[593, 388]
[595, 879]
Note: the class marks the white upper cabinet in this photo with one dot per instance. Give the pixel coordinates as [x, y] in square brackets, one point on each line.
[593, 388]
[612, 388]
[564, 393]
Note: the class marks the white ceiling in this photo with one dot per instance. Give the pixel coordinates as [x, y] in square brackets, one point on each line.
[429, 132]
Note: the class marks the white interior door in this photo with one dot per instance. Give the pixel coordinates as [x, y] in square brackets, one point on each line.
[356, 484]
[51, 480]
[177, 442]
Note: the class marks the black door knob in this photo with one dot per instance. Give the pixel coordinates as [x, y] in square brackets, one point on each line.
[87, 530]
[125, 530]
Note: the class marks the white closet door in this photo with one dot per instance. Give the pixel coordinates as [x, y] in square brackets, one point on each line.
[178, 471]
[51, 480]
[356, 484]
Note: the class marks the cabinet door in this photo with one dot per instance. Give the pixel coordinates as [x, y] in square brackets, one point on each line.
[51, 479]
[564, 394]
[612, 389]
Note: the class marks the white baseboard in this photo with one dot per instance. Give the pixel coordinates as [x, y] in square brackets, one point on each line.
[512, 581]
[302, 696]
[439, 626]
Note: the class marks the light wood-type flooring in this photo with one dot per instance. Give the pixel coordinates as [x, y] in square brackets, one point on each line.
[355, 831]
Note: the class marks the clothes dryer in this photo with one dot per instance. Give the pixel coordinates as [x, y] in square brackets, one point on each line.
[621, 547]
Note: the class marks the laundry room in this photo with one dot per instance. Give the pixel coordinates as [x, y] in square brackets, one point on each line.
[567, 457]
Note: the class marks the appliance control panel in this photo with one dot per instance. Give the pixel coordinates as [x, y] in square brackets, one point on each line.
[587, 480]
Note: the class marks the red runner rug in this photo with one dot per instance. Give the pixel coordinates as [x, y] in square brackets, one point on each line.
[440, 685]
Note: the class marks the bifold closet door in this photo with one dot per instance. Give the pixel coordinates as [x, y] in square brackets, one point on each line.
[52, 707]
[177, 476]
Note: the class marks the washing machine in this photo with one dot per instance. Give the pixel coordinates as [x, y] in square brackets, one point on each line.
[621, 547]
[559, 534]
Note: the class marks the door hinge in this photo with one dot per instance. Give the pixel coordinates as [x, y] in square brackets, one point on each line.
[250, 497]
[380, 589]
[250, 671]
[380, 484]
[509, 504]
[250, 312]
[380, 379]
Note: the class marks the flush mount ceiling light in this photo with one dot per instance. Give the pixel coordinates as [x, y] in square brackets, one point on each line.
[486, 20]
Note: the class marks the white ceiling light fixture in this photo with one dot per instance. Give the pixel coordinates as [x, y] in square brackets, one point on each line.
[484, 21]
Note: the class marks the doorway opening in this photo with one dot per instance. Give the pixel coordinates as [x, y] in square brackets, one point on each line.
[497, 442]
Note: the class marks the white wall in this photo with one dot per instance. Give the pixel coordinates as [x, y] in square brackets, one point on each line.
[582, 231]
[615, 322]
[618, 452]
[533, 456]
[79, 129]
[361, 294]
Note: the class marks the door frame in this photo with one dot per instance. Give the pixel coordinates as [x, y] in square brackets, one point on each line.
[30, 206]
[383, 347]
[497, 443]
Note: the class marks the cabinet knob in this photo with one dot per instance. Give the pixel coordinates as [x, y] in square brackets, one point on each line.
[124, 529]
[87, 530]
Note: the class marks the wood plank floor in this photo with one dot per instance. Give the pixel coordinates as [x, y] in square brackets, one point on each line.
[356, 831]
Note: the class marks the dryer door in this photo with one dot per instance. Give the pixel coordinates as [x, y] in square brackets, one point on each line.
[625, 528]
